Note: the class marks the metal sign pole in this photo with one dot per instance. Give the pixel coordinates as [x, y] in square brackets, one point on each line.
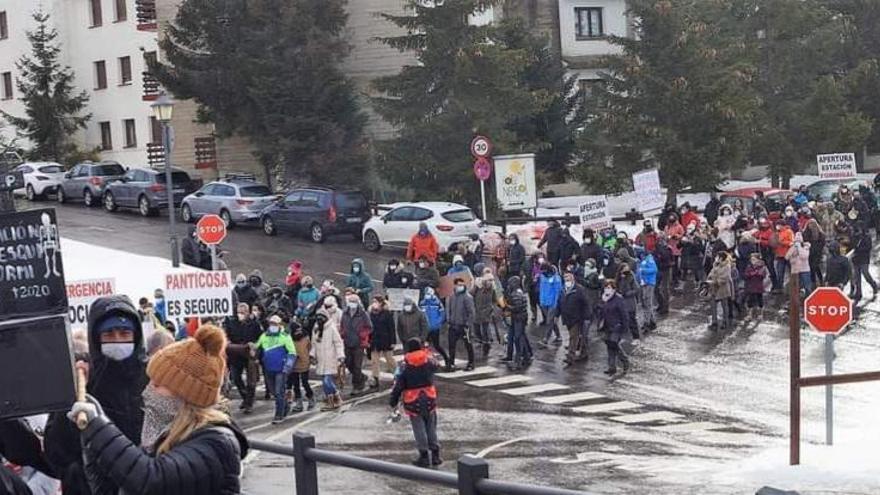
[829, 391]
[483, 198]
[213, 257]
[794, 327]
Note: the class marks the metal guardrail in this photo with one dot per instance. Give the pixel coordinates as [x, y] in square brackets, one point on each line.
[472, 477]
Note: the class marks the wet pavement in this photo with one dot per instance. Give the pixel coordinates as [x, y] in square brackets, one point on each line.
[694, 403]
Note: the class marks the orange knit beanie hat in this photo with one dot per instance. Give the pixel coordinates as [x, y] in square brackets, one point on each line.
[193, 368]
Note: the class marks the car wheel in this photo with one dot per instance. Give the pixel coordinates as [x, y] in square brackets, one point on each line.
[269, 226]
[316, 233]
[144, 207]
[109, 202]
[371, 241]
[59, 196]
[186, 214]
[30, 194]
[227, 219]
[88, 198]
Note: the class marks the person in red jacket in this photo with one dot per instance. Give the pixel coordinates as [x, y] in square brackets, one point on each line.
[781, 242]
[647, 238]
[414, 384]
[422, 244]
[688, 216]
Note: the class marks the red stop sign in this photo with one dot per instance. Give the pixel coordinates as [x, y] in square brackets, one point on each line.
[828, 310]
[211, 229]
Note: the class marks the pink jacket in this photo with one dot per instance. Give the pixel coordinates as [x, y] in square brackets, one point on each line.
[674, 232]
[799, 257]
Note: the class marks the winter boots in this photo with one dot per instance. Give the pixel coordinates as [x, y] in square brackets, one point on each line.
[436, 460]
[374, 383]
[311, 404]
[332, 403]
[423, 460]
[298, 407]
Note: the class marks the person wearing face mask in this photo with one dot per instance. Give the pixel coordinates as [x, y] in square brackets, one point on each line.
[426, 275]
[159, 305]
[422, 245]
[256, 281]
[574, 310]
[516, 257]
[184, 427]
[781, 242]
[647, 238]
[243, 291]
[549, 291]
[532, 283]
[356, 329]
[460, 312]
[553, 239]
[519, 352]
[435, 317]
[791, 219]
[628, 287]
[307, 297]
[647, 282]
[117, 378]
[383, 339]
[360, 281]
[243, 332]
[396, 277]
[328, 351]
[724, 224]
[459, 267]
[861, 259]
[484, 306]
[590, 249]
[675, 232]
[693, 247]
[688, 216]
[191, 250]
[278, 354]
[756, 274]
[615, 324]
[838, 269]
[798, 258]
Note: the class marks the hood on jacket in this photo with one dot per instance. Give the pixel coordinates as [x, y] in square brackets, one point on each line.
[513, 237]
[294, 272]
[457, 258]
[104, 308]
[392, 261]
[256, 274]
[357, 262]
[514, 283]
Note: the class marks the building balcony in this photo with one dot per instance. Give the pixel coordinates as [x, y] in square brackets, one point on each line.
[155, 154]
[206, 152]
[146, 15]
[151, 87]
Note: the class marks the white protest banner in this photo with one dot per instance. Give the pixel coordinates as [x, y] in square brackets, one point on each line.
[80, 296]
[397, 296]
[646, 185]
[199, 294]
[515, 186]
[836, 165]
[594, 213]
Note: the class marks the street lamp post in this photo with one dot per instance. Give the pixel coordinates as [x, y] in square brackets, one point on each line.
[163, 109]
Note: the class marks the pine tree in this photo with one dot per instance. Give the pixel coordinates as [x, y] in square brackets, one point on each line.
[269, 70]
[53, 111]
[466, 82]
[676, 98]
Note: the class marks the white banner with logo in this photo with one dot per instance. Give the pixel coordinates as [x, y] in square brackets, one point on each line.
[837, 165]
[594, 213]
[515, 186]
[80, 296]
[199, 294]
[646, 185]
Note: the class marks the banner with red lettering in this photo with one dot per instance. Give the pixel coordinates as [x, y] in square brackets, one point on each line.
[80, 296]
[199, 294]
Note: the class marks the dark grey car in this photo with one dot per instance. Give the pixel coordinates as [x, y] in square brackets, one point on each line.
[87, 180]
[145, 189]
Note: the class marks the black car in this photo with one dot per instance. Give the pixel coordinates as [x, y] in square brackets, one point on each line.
[317, 212]
[145, 189]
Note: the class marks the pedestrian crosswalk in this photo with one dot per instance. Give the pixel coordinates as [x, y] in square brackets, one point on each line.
[534, 389]
[607, 407]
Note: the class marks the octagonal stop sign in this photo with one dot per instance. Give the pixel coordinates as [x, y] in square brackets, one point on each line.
[828, 310]
[211, 230]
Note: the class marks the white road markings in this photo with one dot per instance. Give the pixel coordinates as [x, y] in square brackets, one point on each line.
[534, 389]
[482, 370]
[575, 397]
[503, 380]
[649, 417]
[608, 407]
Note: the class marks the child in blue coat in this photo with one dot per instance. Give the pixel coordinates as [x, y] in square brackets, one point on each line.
[432, 306]
[549, 292]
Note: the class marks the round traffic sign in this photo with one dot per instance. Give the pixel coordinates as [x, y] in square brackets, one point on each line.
[828, 310]
[482, 168]
[211, 230]
[481, 147]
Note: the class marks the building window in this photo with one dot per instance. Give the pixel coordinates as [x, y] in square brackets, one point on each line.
[106, 136]
[7, 85]
[130, 133]
[100, 75]
[589, 22]
[4, 29]
[121, 10]
[155, 130]
[97, 15]
[124, 70]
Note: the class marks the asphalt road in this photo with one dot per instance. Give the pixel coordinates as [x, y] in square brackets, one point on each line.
[695, 402]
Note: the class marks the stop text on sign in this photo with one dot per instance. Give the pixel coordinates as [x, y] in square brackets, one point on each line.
[211, 229]
[827, 310]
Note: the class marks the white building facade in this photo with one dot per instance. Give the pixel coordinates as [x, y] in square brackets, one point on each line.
[106, 48]
[584, 28]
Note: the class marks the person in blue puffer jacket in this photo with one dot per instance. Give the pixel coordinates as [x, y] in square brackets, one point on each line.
[647, 274]
[434, 311]
[549, 292]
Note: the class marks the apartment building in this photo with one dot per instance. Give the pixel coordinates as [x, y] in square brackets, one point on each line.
[100, 42]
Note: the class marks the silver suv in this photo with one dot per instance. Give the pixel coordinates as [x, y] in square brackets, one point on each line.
[87, 180]
[235, 201]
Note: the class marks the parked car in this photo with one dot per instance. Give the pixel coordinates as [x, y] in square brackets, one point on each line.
[87, 180]
[40, 179]
[145, 189]
[774, 199]
[826, 189]
[449, 222]
[235, 201]
[317, 212]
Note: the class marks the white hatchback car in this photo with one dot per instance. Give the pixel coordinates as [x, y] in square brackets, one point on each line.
[40, 178]
[449, 222]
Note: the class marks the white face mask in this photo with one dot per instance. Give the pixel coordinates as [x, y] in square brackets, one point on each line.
[356, 269]
[274, 329]
[588, 240]
[352, 305]
[117, 351]
[512, 242]
[407, 307]
[423, 265]
[569, 285]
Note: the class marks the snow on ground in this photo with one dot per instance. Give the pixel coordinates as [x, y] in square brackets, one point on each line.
[796, 181]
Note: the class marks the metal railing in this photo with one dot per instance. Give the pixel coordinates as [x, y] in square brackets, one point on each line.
[472, 477]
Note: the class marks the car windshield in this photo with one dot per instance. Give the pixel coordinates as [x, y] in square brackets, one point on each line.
[176, 177]
[459, 216]
[105, 170]
[351, 200]
[254, 191]
[52, 169]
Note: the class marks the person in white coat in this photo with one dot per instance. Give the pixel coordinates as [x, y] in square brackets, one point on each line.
[328, 351]
[724, 224]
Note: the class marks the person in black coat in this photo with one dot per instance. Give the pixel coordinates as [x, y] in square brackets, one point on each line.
[711, 210]
[396, 278]
[838, 270]
[243, 291]
[519, 351]
[616, 325]
[382, 339]
[243, 331]
[516, 258]
[590, 249]
[553, 239]
[861, 259]
[574, 310]
[117, 377]
[569, 249]
[664, 259]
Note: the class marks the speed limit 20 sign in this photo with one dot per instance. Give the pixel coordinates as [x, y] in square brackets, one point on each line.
[481, 147]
